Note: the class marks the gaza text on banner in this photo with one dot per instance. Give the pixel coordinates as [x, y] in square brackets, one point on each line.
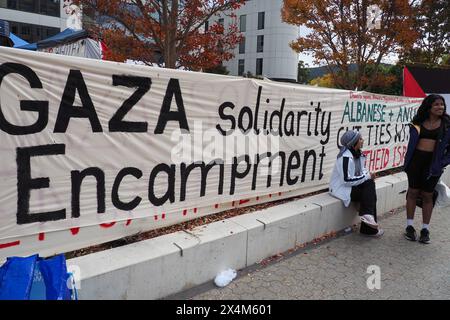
[88, 142]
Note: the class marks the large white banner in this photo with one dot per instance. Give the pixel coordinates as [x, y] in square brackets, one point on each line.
[93, 151]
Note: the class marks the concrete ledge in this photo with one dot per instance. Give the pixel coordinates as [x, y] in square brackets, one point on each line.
[395, 195]
[158, 267]
[169, 264]
[276, 229]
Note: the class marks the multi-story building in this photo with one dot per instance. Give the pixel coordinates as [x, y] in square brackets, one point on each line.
[265, 49]
[34, 20]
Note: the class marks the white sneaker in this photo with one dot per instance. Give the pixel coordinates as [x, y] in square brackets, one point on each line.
[369, 220]
[376, 235]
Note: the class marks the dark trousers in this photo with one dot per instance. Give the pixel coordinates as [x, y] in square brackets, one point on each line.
[366, 195]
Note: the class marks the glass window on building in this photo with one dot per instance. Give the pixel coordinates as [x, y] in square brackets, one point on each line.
[49, 32]
[221, 22]
[9, 4]
[261, 20]
[242, 23]
[46, 7]
[259, 67]
[29, 6]
[32, 33]
[241, 67]
[206, 26]
[242, 45]
[50, 7]
[25, 30]
[260, 43]
[14, 28]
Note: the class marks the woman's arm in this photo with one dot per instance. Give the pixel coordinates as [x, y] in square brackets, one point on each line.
[446, 157]
[351, 180]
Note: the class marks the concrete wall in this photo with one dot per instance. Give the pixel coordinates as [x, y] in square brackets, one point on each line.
[169, 264]
[32, 18]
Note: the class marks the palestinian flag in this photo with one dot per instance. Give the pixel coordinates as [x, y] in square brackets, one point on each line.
[418, 82]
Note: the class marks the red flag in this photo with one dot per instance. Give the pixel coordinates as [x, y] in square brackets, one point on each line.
[410, 86]
[105, 50]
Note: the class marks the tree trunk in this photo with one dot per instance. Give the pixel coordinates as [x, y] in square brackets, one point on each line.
[171, 41]
[170, 25]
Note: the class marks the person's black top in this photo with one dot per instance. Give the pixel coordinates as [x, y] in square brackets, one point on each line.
[429, 134]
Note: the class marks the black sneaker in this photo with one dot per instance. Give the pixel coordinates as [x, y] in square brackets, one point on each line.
[424, 236]
[410, 233]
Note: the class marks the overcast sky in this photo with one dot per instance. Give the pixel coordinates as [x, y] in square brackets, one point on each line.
[307, 59]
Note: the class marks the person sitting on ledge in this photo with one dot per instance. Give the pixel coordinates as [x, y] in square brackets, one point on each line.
[351, 181]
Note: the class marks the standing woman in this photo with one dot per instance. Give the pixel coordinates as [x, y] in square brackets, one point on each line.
[427, 155]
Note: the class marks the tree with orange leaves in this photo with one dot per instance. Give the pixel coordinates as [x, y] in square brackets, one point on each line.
[348, 34]
[169, 32]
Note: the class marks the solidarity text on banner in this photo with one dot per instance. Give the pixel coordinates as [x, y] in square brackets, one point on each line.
[93, 151]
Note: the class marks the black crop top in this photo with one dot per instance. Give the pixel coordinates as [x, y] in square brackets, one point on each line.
[429, 134]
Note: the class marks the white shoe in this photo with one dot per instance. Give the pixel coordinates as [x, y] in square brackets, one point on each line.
[369, 220]
[376, 235]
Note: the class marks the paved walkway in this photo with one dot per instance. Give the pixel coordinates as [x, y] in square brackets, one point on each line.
[337, 269]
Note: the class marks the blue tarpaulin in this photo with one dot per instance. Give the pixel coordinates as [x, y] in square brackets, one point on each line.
[17, 41]
[30, 46]
[66, 36]
[34, 278]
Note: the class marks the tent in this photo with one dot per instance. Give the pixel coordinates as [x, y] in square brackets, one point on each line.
[420, 81]
[16, 40]
[64, 37]
[69, 42]
[30, 46]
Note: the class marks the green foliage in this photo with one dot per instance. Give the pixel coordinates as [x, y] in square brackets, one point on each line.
[325, 81]
[251, 75]
[387, 79]
[302, 72]
[219, 69]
